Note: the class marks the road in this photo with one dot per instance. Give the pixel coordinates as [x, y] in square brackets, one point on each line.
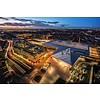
[16, 67]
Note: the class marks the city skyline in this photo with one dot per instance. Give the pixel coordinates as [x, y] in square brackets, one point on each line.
[49, 22]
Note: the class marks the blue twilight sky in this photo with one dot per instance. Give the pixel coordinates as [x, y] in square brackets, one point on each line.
[50, 22]
[71, 21]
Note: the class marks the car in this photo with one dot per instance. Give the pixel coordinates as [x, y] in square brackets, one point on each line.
[71, 81]
[82, 78]
[43, 71]
[10, 81]
[84, 71]
[37, 78]
[84, 66]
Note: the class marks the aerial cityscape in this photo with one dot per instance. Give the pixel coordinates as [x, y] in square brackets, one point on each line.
[49, 50]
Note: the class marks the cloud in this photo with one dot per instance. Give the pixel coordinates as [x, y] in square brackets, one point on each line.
[4, 18]
[34, 21]
[64, 25]
[25, 20]
[20, 19]
[13, 21]
[53, 22]
[16, 24]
